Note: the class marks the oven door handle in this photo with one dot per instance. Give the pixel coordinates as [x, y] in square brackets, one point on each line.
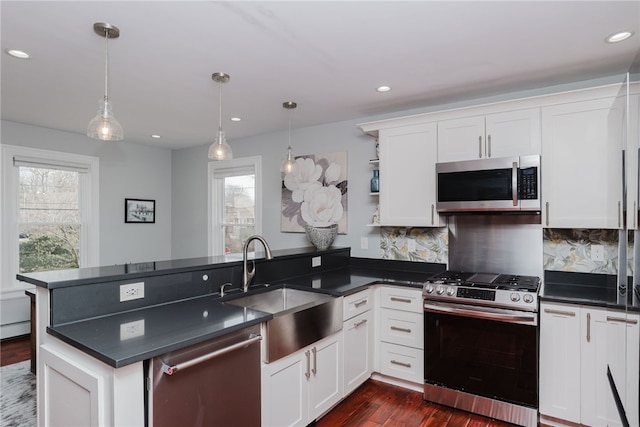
[530, 319]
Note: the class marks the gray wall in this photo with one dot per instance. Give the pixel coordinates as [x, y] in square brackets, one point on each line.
[126, 171]
[190, 187]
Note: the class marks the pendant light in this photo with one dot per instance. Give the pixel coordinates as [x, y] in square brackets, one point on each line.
[104, 125]
[289, 163]
[220, 150]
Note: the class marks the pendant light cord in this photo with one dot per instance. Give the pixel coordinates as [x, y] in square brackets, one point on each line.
[106, 64]
[220, 111]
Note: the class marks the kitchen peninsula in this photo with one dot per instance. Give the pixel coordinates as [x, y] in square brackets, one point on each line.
[93, 342]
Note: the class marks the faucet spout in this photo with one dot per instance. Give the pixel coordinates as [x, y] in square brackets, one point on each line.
[247, 275]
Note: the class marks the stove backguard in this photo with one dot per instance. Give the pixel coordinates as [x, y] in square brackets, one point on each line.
[511, 244]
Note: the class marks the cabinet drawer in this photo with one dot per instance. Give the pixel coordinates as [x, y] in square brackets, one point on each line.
[401, 299]
[402, 327]
[356, 304]
[402, 362]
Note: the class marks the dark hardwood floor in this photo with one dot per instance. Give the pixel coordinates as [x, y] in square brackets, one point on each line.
[15, 350]
[377, 404]
[374, 404]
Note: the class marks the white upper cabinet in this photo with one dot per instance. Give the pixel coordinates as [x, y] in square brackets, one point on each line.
[407, 176]
[582, 164]
[511, 133]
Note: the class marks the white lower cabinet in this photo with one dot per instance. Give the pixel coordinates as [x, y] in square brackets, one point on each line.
[358, 340]
[400, 334]
[299, 388]
[577, 345]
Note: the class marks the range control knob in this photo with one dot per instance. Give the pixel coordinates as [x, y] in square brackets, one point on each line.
[451, 291]
[439, 289]
[528, 298]
[428, 289]
[515, 297]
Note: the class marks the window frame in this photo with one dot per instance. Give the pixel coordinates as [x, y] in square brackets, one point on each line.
[9, 206]
[225, 168]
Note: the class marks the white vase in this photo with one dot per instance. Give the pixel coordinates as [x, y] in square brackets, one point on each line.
[321, 237]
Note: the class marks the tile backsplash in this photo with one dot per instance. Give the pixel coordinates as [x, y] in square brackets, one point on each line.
[570, 250]
[415, 244]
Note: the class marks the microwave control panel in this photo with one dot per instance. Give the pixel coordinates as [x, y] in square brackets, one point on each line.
[528, 183]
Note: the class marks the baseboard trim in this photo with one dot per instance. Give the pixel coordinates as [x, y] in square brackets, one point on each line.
[13, 330]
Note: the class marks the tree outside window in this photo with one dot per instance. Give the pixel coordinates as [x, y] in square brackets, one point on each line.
[49, 219]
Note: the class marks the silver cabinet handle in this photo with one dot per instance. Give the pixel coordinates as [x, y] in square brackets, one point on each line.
[433, 217]
[315, 361]
[488, 145]
[359, 303]
[635, 214]
[622, 320]
[547, 212]
[308, 355]
[514, 183]
[619, 213]
[395, 328]
[172, 369]
[588, 327]
[480, 147]
[360, 323]
[560, 312]
[406, 365]
[407, 300]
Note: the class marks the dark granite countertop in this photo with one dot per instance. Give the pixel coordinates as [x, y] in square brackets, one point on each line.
[168, 327]
[598, 290]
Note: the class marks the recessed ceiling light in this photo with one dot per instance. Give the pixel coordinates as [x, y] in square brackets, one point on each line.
[618, 37]
[235, 119]
[18, 53]
[383, 89]
[156, 136]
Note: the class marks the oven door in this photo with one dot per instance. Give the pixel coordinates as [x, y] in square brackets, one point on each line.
[482, 351]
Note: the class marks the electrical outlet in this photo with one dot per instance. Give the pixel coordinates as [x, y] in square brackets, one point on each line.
[131, 329]
[316, 261]
[364, 243]
[131, 291]
[597, 253]
[411, 245]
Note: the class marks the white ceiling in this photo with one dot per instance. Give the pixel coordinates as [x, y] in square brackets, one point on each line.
[328, 56]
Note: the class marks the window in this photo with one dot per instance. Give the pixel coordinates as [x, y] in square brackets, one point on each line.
[234, 204]
[50, 211]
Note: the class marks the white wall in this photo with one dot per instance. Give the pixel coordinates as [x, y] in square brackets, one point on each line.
[126, 171]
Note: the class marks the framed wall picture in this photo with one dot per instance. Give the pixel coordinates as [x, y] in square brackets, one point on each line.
[139, 211]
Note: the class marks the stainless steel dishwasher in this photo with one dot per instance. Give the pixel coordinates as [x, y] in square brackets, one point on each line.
[215, 383]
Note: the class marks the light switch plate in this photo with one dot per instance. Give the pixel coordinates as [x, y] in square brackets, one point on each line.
[364, 243]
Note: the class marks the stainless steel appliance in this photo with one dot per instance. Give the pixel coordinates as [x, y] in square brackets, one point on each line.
[481, 344]
[216, 383]
[507, 184]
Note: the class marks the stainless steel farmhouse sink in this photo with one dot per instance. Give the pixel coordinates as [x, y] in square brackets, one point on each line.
[299, 318]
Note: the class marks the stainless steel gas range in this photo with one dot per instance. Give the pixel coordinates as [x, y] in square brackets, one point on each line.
[481, 344]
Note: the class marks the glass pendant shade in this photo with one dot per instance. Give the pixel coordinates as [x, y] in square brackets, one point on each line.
[104, 125]
[289, 162]
[220, 150]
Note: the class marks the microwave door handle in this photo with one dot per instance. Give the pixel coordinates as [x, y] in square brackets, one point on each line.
[514, 183]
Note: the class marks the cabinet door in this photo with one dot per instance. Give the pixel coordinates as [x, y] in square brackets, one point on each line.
[513, 133]
[358, 351]
[632, 115]
[581, 165]
[285, 390]
[560, 361]
[325, 385]
[461, 139]
[603, 346]
[407, 176]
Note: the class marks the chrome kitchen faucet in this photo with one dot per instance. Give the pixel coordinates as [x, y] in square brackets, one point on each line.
[247, 276]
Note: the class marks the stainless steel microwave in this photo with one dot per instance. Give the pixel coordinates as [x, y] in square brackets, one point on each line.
[507, 184]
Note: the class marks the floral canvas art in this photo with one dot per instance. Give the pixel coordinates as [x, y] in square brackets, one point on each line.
[315, 193]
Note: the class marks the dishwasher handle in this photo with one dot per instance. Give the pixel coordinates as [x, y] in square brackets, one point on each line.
[172, 369]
